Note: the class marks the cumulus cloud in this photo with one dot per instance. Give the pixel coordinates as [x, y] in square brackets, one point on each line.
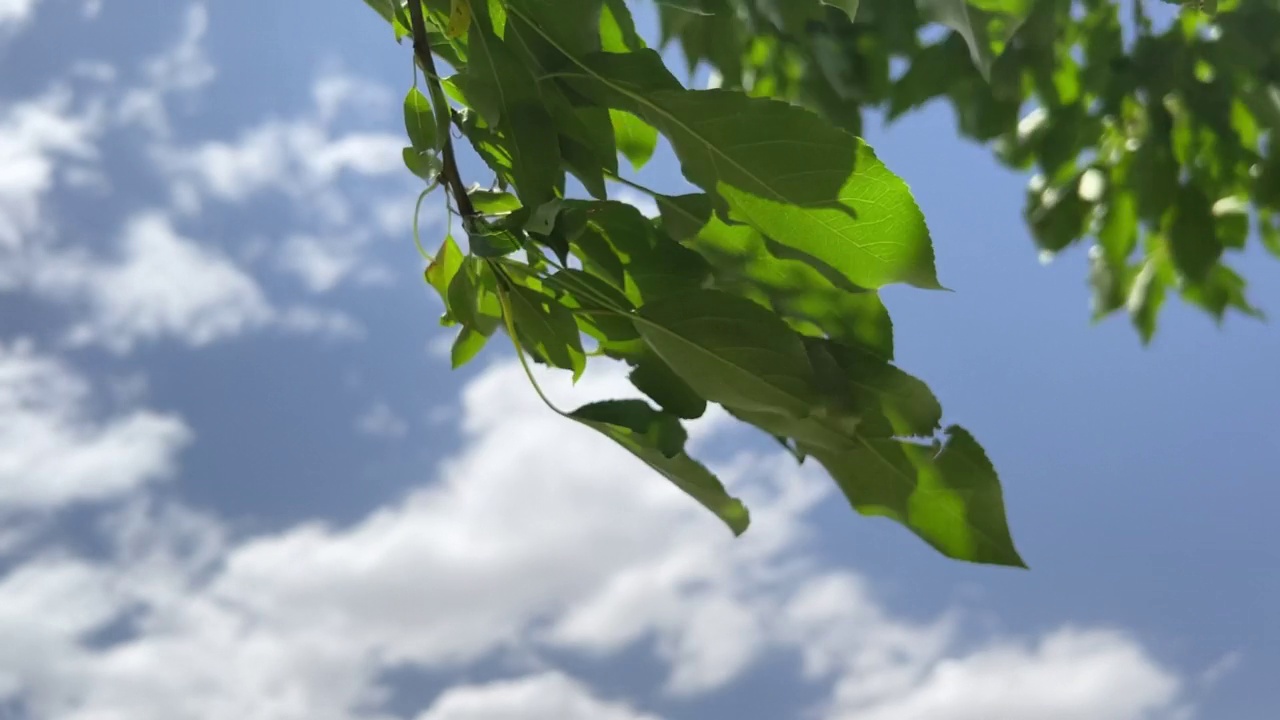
[54, 452]
[1067, 675]
[322, 168]
[521, 544]
[295, 157]
[36, 137]
[322, 263]
[162, 284]
[550, 695]
[176, 71]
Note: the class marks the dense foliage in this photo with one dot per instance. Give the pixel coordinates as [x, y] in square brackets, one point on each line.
[1155, 145]
[758, 293]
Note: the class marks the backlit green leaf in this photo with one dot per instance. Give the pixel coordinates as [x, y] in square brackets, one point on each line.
[466, 346]
[782, 169]
[731, 351]
[444, 267]
[473, 296]
[546, 329]
[951, 499]
[506, 95]
[635, 138]
[420, 121]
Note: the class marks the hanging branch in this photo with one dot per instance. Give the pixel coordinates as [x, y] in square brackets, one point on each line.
[449, 172]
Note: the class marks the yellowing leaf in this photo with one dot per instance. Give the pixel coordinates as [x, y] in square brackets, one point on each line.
[459, 18]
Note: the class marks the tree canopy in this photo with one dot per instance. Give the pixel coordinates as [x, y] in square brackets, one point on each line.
[759, 292]
[1155, 146]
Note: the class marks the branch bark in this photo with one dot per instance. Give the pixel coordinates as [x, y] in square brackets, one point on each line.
[449, 171]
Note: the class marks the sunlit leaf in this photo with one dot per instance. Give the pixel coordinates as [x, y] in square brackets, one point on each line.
[731, 351]
[951, 499]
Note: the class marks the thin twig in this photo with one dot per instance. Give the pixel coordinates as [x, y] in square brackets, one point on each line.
[422, 48]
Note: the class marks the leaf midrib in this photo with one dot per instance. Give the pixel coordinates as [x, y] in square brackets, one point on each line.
[708, 353]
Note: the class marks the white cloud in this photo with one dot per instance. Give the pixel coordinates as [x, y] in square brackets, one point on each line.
[14, 14]
[537, 533]
[550, 695]
[382, 422]
[335, 91]
[322, 263]
[306, 161]
[163, 284]
[299, 158]
[35, 135]
[644, 203]
[52, 452]
[1069, 674]
[179, 70]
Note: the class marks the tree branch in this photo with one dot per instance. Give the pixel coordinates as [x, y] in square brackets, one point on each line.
[449, 171]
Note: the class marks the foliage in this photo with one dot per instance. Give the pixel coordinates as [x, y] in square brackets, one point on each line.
[1158, 147]
[757, 293]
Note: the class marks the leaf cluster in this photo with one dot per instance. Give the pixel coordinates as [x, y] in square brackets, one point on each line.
[1155, 147]
[757, 293]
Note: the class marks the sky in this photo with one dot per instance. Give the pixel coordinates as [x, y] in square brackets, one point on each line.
[239, 480]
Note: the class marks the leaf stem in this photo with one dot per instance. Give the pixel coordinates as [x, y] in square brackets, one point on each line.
[417, 210]
[509, 321]
[422, 48]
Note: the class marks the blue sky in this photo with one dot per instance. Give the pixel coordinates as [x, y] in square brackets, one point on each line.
[237, 478]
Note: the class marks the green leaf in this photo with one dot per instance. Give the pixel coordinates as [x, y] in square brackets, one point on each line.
[546, 329]
[491, 239]
[658, 440]
[505, 93]
[424, 166]
[489, 145]
[635, 138]
[1222, 289]
[498, 17]
[473, 296]
[466, 346]
[622, 246]
[972, 20]
[444, 268]
[543, 218]
[1146, 296]
[658, 381]
[420, 121]
[782, 169]
[731, 351]
[382, 7]
[887, 400]
[571, 24]
[952, 499]
[618, 29]
[850, 7]
[1193, 240]
[488, 202]
[746, 263]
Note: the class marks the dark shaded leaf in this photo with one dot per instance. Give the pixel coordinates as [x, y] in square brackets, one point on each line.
[654, 378]
[658, 439]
